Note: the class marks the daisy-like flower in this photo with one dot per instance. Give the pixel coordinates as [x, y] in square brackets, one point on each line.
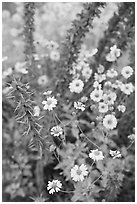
[97, 85]
[100, 69]
[127, 72]
[103, 107]
[54, 186]
[117, 84]
[87, 72]
[121, 108]
[54, 55]
[56, 131]
[50, 103]
[79, 105]
[36, 111]
[79, 172]
[127, 88]
[114, 54]
[96, 95]
[112, 73]
[42, 80]
[99, 77]
[110, 98]
[76, 86]
[84, 99]
[115, 154]
[96, 155]
[110, 122]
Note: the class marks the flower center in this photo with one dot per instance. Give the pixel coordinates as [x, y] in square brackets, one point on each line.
[109, 122]
[97, 153]
[79, 172]
[49, 101]
[77, 84]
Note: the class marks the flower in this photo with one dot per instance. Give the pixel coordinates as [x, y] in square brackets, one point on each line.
[47, 93]
[42, 80]
[78, 172]
[114, 54]
[100, 69]
[131, 137]
[21, 67]
[110, 98]
[51, 45]
[112, 73]
[109, 121]
[97, 85]
[79, 105]
[99, 77]
[127, 72]
[96, 155]
[84, 99]
[117, 84]
[36, 111]
[103, 107]
[54, 186]
[87, 72]
[54, 55]
[96, 95]
[76, 86]
[127, 88]
[50, 103]
[121, 108]
[115, 154]
[56, 131]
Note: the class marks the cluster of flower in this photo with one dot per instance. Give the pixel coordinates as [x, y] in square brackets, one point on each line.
[79, 172]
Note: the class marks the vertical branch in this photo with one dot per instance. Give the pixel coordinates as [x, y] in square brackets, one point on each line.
[29, 48]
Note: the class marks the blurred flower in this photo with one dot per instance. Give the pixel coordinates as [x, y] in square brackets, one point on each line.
[36, 111]
[127, 88]
[109, 98]
[78, 172]
[127, 72]
[56, 131]
[121, 108]
[103, 107]
[99, 77]
[7, 72]
[42, 80]
[131, 137]
[100, 69]
[84, 99]
[17, 18]
[109, 121]
[114, 54]
[4, 58]
[5, 14]
[14, 32]
[52, 45]
[6, 90]
[21, 67]
[115, 154]
[76, 86]
[54, 186]
[79, 105]
[96, 95]
[54, 55]
[50, 103]
[96, 155]
[47, 93]
[112, 73]
[87, 72]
